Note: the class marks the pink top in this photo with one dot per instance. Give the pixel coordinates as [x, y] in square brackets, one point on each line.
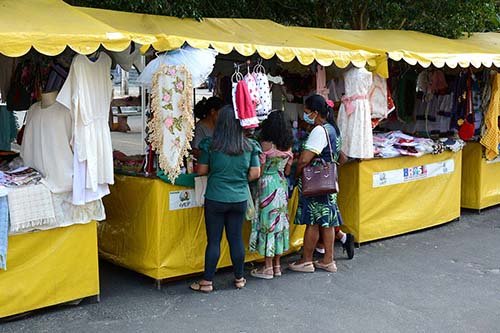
[270, 151]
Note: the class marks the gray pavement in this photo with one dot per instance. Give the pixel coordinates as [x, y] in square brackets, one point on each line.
[445, 279]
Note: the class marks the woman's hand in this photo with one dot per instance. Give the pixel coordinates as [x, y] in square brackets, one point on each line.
[253, 174]
[304, 159]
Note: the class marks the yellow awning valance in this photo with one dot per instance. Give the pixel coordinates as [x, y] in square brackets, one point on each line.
[49, 26]
[486, 40]
[246, 36]
[413, 47]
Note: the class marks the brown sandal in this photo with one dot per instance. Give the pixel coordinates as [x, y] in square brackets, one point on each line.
[305, 267]
[277, 271]
[240, 283]
[205, 287]
[263, 273]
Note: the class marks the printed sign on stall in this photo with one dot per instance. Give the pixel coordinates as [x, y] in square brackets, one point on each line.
[182, 200]
[405, 175]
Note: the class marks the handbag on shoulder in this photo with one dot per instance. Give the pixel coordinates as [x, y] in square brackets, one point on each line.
[320, 177]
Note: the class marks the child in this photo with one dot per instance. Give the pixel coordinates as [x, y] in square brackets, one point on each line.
[270, 228]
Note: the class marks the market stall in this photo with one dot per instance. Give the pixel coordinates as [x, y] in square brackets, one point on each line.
[417, 183]
[48, 237]
[481, 168]
[162, 235]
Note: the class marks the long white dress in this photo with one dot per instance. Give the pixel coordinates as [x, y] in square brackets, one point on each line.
[354, 117]
[87, 93]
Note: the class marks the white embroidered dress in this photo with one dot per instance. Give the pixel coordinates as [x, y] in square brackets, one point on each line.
[354, 117]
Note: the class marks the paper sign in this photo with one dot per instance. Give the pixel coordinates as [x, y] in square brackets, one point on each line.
[400, 176]
[182, 200]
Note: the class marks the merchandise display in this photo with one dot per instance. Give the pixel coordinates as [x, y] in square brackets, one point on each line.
[172, 123]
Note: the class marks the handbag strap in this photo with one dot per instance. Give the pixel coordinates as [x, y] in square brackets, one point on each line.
[329, 144]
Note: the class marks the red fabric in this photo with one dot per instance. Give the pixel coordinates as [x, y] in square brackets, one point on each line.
[245, 106]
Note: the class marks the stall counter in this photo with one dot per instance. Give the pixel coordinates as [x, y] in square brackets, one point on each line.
[480, 179]
[381, 198]
[49, 267]
[155, 228]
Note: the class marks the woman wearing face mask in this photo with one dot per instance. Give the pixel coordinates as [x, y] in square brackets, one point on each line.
[320, 214]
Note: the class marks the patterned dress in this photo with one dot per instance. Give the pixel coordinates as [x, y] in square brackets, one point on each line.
[321, 210]
[270, 228]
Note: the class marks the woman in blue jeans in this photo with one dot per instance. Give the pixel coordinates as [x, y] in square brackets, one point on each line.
[230, 160]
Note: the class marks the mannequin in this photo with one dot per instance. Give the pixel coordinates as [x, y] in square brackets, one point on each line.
[48, 99]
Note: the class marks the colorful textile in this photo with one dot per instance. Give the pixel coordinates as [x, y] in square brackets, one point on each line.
[321, 210]
[491, 137]
[4, 231]
[245, 106]
[172, 123]
[270, 229]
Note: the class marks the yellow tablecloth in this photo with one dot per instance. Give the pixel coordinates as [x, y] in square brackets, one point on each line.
[370, 212]
[142, 233]
[49, 267]
[480, 179]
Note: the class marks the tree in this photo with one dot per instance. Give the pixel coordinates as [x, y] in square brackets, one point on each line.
[448, 18]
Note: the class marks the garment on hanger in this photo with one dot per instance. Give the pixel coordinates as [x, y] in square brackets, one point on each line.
[491, 137]
[265, 106]
[87, 94]
[46, 145]
[244, 105]
[252, 89]
[8, 128]
[354, 117]
[336, 89]
[6, 68]
[199, 62]
[321, 87]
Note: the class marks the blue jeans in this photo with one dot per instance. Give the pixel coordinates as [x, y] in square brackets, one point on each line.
[220, 216]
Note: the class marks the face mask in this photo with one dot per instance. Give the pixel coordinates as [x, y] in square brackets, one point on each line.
[309, 120]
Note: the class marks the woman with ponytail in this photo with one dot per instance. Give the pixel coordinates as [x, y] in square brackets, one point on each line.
[320, 214]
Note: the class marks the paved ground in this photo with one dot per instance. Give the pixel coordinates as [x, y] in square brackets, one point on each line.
[446, 279]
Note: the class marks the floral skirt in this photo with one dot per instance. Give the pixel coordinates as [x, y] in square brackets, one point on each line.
[270, 234]
[321, 210]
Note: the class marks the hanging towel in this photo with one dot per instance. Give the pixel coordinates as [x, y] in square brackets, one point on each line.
[4, 231]
[29, 208]
[246, 109]
[491, 137]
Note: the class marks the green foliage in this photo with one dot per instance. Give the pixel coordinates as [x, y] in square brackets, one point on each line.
[448, 18]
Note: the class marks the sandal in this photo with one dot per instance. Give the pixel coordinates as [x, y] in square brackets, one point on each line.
[263, 273]
[240, 283]
[277, 271]
[305, 267]
[205, 287]
[331, 267]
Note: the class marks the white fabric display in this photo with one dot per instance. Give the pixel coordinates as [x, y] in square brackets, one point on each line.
[336, 89]
[87, 93]
[127, 60]
[82, 194]
[264, 107]
[199, 62]
[172, 124]
[30, 207]
[354, 117]
[46, 145]
[378, 97]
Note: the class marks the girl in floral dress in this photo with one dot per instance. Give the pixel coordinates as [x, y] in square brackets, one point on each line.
[270, 228]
